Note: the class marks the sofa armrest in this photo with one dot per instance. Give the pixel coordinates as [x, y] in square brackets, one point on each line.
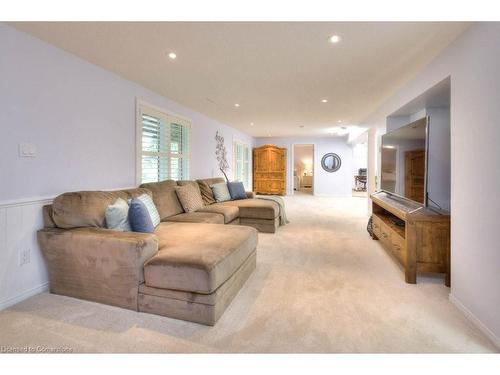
[97, 264]
[250, 194]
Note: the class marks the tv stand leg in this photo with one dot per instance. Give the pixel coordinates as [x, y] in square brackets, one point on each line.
[410, 276]
[411, 254]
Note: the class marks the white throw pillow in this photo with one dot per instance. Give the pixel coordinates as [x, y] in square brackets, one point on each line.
[221, 192]
[117, 216]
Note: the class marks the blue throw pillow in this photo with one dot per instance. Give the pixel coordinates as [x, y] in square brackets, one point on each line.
[237, 190]
[139, 217]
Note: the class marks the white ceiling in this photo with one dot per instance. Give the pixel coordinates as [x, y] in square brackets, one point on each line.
[278, 72]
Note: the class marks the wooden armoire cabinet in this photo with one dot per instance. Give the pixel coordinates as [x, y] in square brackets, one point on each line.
[269, 170]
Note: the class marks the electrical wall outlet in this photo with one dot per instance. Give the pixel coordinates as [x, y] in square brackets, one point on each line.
[27, 150]
[24, 257]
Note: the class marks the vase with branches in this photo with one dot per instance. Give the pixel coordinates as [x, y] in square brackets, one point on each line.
[221, 153]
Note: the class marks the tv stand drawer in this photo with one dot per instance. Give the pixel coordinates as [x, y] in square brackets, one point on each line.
[385, 234]
[398, 247]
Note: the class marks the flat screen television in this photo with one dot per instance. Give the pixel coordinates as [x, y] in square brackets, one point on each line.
[404, 161]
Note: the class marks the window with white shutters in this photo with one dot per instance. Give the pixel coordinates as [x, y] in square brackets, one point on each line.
[241, 163]
[164, 146]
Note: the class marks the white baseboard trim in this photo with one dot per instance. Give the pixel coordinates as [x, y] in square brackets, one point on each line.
[24, 295]
[475, 320]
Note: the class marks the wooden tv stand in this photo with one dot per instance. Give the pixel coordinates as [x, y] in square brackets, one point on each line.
[418, 237]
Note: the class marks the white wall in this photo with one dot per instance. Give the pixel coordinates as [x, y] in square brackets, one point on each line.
[439, 173]
[81, 118]
[472, 61]
[325, 184]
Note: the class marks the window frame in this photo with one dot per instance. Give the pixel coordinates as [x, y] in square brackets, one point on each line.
[236, 143]
[154, 110]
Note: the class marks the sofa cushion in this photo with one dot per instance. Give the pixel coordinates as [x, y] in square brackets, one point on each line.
[236, 190]
[221, 192]
[192, 183]
[206, 191]
[198, 257]
[165, 197]
[197, 217]
[255, 208]
[230, 212]
[117, 216]
[190, 197]
[87, 208]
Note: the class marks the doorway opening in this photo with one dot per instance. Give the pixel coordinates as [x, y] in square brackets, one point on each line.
[360, 164]
[303, 168]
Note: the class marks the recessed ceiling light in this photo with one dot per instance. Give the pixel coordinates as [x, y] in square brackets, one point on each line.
[236, 105]
[172, 55]
[334, 39]
[339, 121]
[251, 124]
[324, 100]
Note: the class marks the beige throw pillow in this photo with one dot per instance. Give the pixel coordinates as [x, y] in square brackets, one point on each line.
[190, 197]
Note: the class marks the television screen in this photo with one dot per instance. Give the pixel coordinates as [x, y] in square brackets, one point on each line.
[403, 164]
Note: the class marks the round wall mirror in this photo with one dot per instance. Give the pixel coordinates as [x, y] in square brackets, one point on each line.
[331, 162]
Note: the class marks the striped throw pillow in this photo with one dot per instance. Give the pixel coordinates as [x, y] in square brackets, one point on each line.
[150, 206]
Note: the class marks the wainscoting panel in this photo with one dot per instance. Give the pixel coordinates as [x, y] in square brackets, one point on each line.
[22, 269]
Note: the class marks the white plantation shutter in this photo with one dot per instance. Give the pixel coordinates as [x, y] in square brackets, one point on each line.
[241, 164]
[164, 146]
[179, 151]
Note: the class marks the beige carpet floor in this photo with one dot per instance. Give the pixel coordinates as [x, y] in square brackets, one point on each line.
[321, 285]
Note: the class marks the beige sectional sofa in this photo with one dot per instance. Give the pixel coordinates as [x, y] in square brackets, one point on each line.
[190, 268]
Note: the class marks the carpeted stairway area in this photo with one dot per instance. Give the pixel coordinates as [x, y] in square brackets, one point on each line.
[321, 285]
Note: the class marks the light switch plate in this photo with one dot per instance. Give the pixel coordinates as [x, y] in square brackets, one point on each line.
[27, 150]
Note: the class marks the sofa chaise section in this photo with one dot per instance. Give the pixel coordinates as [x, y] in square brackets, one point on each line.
[198, 279]
[260, 214]
[201, 264]
[196, 307]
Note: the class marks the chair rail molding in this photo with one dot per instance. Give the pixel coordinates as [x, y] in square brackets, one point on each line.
[22, 270]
